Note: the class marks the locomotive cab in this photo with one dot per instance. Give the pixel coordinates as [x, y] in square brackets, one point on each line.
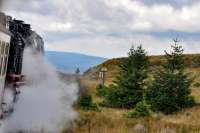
[5, 37]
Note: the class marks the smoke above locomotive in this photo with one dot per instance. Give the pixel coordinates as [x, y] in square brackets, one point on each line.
[15, 36]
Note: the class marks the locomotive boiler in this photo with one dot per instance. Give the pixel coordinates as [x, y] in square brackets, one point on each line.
[15, 36]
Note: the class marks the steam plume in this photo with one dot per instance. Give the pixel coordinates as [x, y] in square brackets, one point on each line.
[45, 103]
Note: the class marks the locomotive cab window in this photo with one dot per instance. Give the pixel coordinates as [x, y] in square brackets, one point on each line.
[7, 49]
[2, 48]
[1, 65]
[5, 64]
[1, 58]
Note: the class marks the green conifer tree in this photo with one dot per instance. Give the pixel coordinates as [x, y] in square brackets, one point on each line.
[170, 90]
[128, 87]
[77, 71]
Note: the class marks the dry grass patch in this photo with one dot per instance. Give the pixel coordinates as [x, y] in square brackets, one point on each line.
[112, 120]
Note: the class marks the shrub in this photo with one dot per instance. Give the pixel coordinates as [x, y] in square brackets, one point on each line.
[114, 97]
[102, 91]
[190, 101]
[142, 109]
[196, 84]
[86, 103]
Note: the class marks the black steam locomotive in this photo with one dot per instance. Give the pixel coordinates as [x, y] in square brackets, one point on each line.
[21, 36]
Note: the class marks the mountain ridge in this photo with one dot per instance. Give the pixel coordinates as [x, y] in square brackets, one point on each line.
[68, 62]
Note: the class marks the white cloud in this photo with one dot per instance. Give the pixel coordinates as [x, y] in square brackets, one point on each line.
[56, 26]
[43, 23]
[98, 18]
[108, 46]
[161, 17]
[117, 15]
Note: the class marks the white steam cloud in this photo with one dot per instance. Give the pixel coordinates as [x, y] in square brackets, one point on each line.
[45, 103]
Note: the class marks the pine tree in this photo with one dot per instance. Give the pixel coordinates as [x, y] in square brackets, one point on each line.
[170, 90]
[128, 87]
[77, 71]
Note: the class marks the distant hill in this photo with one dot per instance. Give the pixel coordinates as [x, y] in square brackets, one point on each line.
[192, 60]
[68, 62]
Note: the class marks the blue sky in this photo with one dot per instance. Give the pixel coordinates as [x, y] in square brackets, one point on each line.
[108, 28]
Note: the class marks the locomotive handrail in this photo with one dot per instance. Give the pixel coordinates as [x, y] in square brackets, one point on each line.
[15, 75]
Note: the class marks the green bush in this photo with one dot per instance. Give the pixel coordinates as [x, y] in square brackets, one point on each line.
[86, 103]
[142, 109]
[114, 97]
[196, 84]
[102, 91]
[190, 102]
